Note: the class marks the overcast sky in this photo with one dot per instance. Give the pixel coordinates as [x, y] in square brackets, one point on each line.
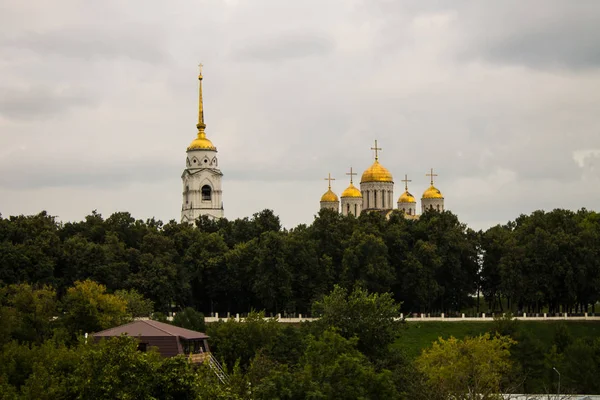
[98, 103]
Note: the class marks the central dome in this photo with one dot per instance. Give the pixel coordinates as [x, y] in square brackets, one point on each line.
[329, 197]
[376, 173]
[351, 191]
[432, 193]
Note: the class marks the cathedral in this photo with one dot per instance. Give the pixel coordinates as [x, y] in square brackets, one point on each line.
[202, 193]
[376, 194]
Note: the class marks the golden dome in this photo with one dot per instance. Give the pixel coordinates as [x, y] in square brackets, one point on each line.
[432, 193]
[351, 191]
[406, 197]
[201, 143]
[329, 197]
[376, 173]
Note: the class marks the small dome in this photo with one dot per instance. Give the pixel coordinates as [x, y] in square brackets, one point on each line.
[406, 197]
[329, 197]
[432, 193]
[201, 143]
[376, 173]
[351, 191]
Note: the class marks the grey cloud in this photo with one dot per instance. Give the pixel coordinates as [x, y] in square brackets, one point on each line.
[39, 102]
[56, 173]
[538, 34]
[138, 42]
[279, 47]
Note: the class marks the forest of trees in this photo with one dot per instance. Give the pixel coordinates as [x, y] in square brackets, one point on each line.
[59, 281]
[546, 261]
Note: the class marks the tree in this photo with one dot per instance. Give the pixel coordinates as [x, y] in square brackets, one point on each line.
[88, 308]
[27, 312]
[372, 318]
[472, 368]
[190, 319]
[366, 261]
[137, 304]
[232, 340]
[332, 368]
[272, 283]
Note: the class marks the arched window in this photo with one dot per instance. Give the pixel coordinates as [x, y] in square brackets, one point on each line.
[410, 211]
[367, 198]
[187, 194]
[355, 210]
[347, 209]
[383, 199]
[438, 207]
[206, 193]
[375, 199]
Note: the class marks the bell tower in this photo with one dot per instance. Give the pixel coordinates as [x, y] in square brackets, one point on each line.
[202, 192]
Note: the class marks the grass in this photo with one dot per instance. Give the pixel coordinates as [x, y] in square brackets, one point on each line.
[420, 335]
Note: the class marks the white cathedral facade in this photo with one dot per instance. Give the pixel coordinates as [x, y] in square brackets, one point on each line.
[376, 194]
[202, 191]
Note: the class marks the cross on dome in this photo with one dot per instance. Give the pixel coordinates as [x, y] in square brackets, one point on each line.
[329, 178]
[406, 180]
[431, 174]
[376, 150]
[351, 173]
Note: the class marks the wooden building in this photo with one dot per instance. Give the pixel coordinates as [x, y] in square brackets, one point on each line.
[169, 339]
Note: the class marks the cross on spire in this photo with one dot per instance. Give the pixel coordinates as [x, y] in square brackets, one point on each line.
[406, 180]
[329, 178]
[351, 173]
[431, 174]
[376, 150]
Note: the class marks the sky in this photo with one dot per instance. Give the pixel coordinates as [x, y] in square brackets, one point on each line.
[98, 103]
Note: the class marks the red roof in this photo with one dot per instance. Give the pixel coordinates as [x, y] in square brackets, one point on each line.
[149, 328]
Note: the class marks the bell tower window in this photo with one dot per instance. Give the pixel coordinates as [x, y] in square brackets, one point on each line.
[187, 194]
[206, 193]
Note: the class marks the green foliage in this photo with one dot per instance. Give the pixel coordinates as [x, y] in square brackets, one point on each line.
[232, 340]
[334, 369]
[88, 308]
[372, 318]
[467, 369]
[137, 304]
[27, 313]
[190, 319]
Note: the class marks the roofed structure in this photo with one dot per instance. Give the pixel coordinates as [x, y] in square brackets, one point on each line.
[170, 340]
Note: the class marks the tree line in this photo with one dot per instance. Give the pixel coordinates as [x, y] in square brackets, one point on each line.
[354, 350]
[542, 261]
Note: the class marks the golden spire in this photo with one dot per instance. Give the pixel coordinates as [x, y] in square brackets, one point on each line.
[406, 180]
[351, 173]
[201, 142]
[431, 174]
[201, 125]
[376, 149]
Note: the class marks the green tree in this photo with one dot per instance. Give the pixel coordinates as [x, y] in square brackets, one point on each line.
[365, 262]
[373, 318]
[232, 340]
[28, 313]
[137, 304]
[88, 308]
[272, 283]
[190, 319]
[472, 368]
[332, 368]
